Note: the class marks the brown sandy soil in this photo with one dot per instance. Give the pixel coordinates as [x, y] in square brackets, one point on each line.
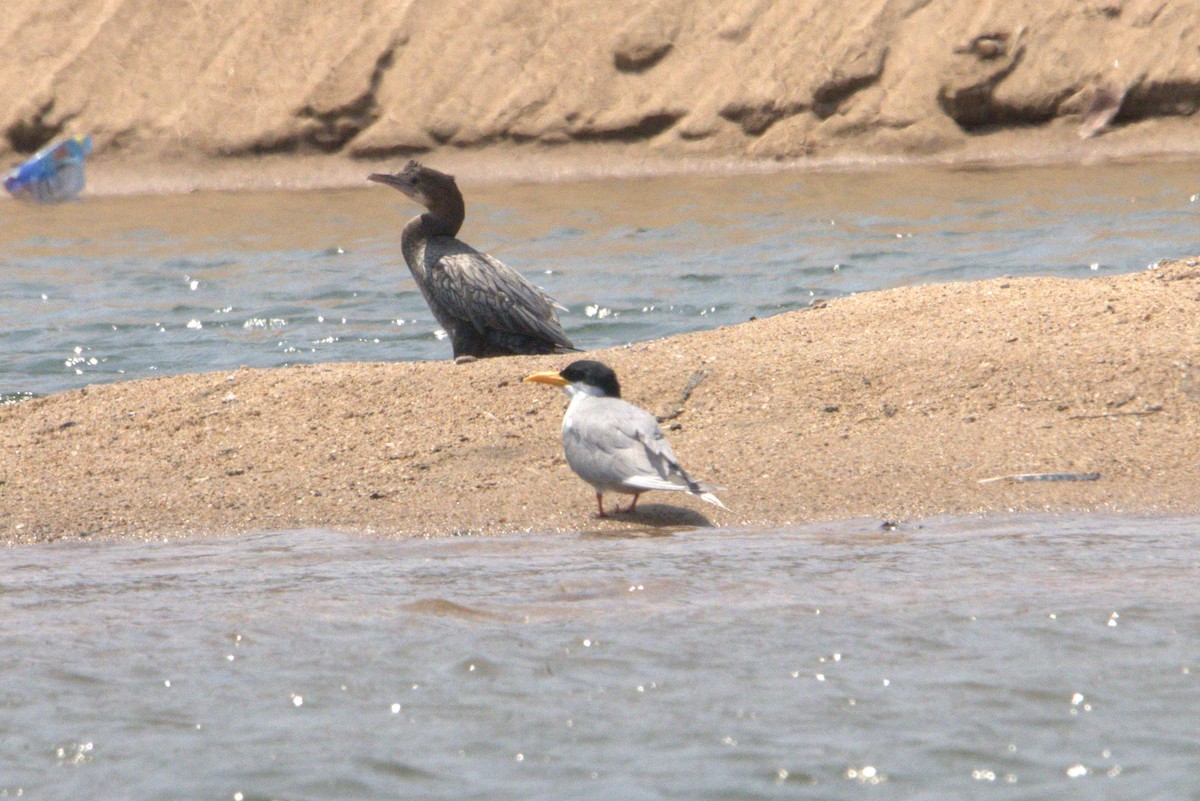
[890, 405]
[193, 94]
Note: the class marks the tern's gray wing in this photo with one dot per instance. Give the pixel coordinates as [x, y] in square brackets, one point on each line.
[492, 296]
[609, 441]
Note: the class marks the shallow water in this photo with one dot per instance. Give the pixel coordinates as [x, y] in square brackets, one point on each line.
[120, 287]
[1018, 658]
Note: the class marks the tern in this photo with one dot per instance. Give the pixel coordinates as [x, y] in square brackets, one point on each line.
[612, 444]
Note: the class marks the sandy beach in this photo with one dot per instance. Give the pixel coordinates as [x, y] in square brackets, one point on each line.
[890, 405]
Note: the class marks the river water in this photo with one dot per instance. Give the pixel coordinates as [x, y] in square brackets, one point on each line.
[122, 287]
[1029, 657]
[1015, 658]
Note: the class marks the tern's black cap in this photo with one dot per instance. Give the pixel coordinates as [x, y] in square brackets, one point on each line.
[593, 373]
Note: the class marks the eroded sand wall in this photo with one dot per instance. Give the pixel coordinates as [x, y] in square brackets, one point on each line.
[746, 78]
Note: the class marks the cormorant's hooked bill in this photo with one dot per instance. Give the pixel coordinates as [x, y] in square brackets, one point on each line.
[409, 180]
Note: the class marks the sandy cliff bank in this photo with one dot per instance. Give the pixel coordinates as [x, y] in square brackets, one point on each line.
[737, 80]
[891, 404]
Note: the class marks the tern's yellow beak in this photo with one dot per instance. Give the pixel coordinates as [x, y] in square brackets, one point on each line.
[553, 379]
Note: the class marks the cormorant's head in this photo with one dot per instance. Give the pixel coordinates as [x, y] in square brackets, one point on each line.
[422, 184]
[585, 376]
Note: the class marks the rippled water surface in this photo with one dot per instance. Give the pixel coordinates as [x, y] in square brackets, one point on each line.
[118, 287]
[1019, 658]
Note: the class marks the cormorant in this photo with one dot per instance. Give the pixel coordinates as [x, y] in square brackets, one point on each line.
[612, 444]
[486, 307]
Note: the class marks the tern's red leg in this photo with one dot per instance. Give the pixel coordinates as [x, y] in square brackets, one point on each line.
[632, 504]
[600, 503]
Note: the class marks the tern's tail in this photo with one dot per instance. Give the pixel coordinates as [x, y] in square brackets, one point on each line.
[678, 480]
[708, 496]
[702, 491]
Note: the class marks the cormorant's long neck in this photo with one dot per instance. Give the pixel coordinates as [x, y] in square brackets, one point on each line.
[412, 245]
[444, 218]
[446, 213]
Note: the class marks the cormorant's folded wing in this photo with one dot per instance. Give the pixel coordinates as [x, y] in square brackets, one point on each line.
[491, 295]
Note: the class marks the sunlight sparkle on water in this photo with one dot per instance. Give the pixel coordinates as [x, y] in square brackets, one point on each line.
[867, 774]
[75, 754]
[272, 323]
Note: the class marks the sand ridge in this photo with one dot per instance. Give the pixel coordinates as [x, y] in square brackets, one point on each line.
[223, 83]
[890, 405]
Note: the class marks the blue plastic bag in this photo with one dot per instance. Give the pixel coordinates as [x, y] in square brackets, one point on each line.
[53, 175]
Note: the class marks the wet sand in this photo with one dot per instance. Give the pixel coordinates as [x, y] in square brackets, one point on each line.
[889, 405]
[1157, 141]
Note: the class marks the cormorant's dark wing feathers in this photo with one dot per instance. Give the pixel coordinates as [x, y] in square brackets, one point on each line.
[493, 296]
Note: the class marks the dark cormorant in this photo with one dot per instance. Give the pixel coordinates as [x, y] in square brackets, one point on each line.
[486, 307]
[612, 444]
